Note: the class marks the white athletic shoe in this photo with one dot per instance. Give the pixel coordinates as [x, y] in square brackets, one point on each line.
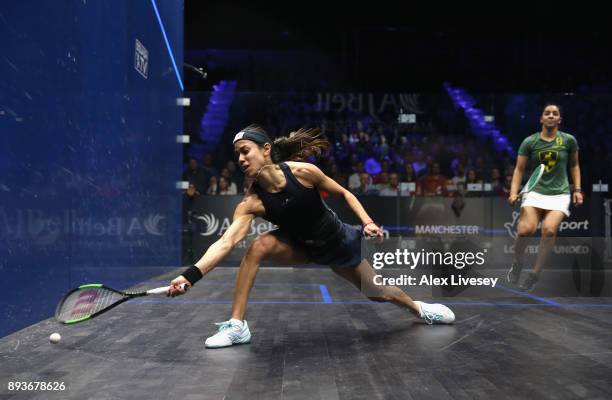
[436, 313]
[230, 332]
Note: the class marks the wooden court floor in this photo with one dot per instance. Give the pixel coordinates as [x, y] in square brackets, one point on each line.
[316, 337]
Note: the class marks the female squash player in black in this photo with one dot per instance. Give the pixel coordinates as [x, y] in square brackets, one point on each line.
[285, 191]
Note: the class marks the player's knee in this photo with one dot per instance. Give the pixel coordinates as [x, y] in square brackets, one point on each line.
[549, 231]
[260, 247]
[526, 229]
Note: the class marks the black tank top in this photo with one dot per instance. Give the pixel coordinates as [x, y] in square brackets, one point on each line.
[299, 211]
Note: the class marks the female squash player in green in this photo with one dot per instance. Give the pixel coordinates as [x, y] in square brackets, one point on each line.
[285, 191]
[549, 201]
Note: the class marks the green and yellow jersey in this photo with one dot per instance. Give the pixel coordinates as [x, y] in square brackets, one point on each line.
[554, 155]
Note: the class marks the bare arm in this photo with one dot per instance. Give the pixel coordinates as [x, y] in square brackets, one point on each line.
[517, 177]
[575, 174]
[316, 177]
[240, 226]
[243, 215]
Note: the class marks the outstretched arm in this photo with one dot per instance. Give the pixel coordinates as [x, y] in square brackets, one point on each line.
[221, 248]
[314, 175]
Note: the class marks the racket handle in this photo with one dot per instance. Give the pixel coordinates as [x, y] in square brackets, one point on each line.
[165, 289]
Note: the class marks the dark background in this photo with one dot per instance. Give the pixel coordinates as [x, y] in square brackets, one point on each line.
[387, 46]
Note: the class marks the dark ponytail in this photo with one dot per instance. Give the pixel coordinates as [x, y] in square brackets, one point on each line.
[299, 145]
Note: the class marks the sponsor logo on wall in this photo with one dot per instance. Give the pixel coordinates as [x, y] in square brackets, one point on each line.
[368, 102]
[210, 222]
[446, 230]
[571, 226]
[211, 225]
[43, 229]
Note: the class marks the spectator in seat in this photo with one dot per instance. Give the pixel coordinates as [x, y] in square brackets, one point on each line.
[393, 189]
[470, 178]
[355, 180]
[196, 175]
[410, 177]
[225, 173]
[496, 182]
[480, 167]
[504, 191]
[335, 174]
[189, 197]
[235, 176]
[381, 181]
[434, 183]
[226, 187]
[458, 180]
[365, 188]
[208, 166]
[383, 147]
[212, 186]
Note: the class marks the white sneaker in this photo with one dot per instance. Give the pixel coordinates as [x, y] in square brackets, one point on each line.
[230, 332]
[436, 313]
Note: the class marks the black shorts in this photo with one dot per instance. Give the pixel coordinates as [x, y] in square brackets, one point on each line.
[343, 250]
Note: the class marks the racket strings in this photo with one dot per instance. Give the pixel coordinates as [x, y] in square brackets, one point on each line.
[534, 178]
[86, 302]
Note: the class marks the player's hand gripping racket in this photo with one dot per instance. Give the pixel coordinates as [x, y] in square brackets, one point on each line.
[88, 301]
[532, 182]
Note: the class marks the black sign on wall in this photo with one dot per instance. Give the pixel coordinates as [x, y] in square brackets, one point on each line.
[210, 216]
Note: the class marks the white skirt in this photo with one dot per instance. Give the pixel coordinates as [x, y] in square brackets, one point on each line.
[557, 202]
